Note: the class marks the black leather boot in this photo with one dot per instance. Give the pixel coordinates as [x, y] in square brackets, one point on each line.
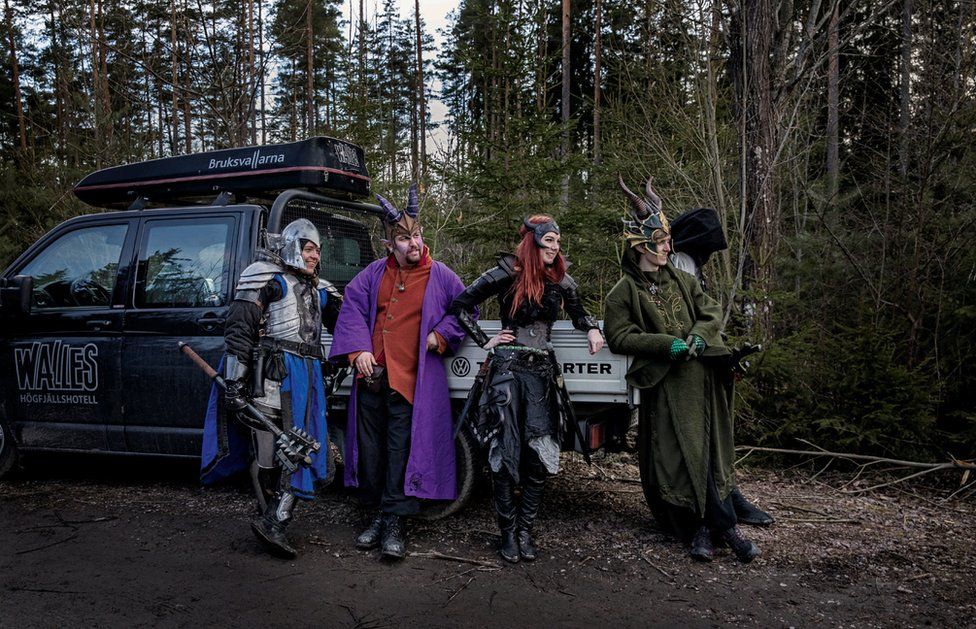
[533, 484]
[701, 545]
[504, 499]
[394, 539]
[748, 513]
[743, 548]
[370, 537]
[270, 528]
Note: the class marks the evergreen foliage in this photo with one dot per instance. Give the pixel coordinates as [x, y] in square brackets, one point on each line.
[857, 274]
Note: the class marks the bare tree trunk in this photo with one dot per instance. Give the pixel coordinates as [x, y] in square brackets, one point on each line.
[186, 90]
[565, 105]
[310, 71]
[421, 94]
[905, 88]
[15, 68]
[252, 119]
[103, 70]
[174, 78]
[833, 92]
[264, 119]
[597, 79]
[711, 122]
[57, 48]
[762, 211]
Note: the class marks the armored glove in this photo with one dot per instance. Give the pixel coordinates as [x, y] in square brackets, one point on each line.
[234, 398]
[696, 345]
[679, 349]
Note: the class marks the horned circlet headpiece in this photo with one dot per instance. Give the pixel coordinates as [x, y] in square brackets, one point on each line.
[403, 221]
[648, 222]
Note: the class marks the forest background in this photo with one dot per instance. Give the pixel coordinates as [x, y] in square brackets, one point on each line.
[835, 140]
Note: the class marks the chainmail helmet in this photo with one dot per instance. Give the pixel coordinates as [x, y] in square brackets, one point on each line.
[396, 221]
[289, 243]
[647, 225]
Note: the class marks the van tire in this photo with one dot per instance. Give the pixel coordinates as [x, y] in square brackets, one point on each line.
[468, 469]
[8, 450]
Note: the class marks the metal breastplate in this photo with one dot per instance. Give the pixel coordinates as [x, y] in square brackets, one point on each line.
[535, 334]
[296, 316]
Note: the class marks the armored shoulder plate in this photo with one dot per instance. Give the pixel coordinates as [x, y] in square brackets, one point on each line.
[507, 262]
[328, 287]
[568, 283]
[255, 277]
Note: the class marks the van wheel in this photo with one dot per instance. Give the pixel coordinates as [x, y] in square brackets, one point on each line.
[8, 450]
[466, 460]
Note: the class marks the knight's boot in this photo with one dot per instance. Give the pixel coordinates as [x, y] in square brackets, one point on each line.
[533, 484]
[370, 537]
[265, 481]
[504, 499]
[270, 528]
[748, 513]
[394, 538]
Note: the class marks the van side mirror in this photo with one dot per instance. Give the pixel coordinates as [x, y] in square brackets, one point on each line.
[15, 294]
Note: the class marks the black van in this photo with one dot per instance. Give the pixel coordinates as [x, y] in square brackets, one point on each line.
[91, 313]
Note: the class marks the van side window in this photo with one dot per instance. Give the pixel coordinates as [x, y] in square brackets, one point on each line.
[79, 269]
[184, 263]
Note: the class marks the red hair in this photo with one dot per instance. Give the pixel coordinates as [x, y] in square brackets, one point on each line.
[531, 272]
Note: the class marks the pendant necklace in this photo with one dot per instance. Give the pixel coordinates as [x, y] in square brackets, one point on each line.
[401, 284]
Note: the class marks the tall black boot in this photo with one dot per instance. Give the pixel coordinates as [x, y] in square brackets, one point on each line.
[504, 499]
[533, 483]
[270, 528]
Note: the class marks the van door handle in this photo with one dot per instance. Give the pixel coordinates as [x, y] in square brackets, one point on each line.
[210, 321]
[98, 323]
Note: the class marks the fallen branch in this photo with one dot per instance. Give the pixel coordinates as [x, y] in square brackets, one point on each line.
[458, 591]
[655, 566]
[60, 541]
[822, 520]
[437, 555]
[954, 463]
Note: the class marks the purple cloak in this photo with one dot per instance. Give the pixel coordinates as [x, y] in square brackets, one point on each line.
[430, 467]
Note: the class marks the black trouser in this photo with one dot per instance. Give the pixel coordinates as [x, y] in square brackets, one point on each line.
[384, 421]
[719, 513]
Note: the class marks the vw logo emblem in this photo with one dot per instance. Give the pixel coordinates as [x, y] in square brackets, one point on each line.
[460, 367]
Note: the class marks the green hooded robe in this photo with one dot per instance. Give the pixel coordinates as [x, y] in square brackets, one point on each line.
[686, 405]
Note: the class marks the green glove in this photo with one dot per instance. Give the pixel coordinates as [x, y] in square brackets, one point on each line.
[679, 349]
[696, 345]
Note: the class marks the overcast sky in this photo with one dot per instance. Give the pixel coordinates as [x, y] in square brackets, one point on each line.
[434, 14]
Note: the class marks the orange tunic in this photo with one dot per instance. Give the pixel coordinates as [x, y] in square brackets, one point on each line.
[396, 333]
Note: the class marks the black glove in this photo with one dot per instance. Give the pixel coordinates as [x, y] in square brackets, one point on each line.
[234, 399]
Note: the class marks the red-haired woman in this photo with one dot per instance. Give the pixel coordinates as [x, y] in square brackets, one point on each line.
[517, 413]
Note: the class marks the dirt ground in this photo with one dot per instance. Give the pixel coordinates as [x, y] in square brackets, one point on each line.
[116, 542]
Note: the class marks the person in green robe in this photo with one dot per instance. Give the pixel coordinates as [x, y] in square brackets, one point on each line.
[673, 329]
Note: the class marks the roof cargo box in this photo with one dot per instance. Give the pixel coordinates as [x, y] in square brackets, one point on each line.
[324, 165]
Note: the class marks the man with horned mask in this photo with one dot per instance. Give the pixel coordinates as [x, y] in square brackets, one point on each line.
[394, 329]
[662, 317]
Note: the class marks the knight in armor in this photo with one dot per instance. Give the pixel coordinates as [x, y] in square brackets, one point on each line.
[273, 357]
[520, 407]
[662, 318]
[695, 236]
[394, 329]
